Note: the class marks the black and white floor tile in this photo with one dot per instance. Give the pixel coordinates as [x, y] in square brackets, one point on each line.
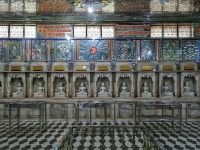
[28, 137]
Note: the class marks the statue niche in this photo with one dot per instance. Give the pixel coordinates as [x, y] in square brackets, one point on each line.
[39, 87]
[59, 86]
[188, 89]
[124, 87]
[145, 90]
[167, 87]
[102, 87]
[17, 89]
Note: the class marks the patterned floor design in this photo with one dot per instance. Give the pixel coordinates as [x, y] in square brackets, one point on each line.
[27, 137]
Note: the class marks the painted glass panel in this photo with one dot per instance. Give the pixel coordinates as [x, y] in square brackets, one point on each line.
[125, 50]
[170, 50]
[170, 5]
[156, 31]
[184, 31]
[93, 31]
[80, 31]
[30, 31]
[94, 50]
[170, 31]
[4, 31]
[38, 50]
[108, 32]
[16, 31]
[15, 49]
[147, 50]
[190, 50]
[61, 50]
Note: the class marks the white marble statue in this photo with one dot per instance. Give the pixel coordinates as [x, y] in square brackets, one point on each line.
[124, 90]
[40, 91]
[145, 90]
[166, 90]
[81, 91]
[19, 90]
[102, 90]
[186, 90]
[60, 90]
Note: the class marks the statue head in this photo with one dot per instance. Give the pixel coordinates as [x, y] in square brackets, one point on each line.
[186, 83]
[19, 84]
[145, 84]
[164, 83]
[123, 84]
[81, 85]
[40, 84]
[61, 84]
[102, 84]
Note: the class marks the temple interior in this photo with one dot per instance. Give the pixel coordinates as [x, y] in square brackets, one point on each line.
[99, 74]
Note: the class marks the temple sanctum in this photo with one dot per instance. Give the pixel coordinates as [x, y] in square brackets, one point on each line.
[99, 74]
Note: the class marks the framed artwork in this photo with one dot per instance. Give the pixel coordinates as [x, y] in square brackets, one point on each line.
[93, 50]
[61, 50]
[147, 50]
[15, 49]
[170, 50]
[38, 50]
[125, 50]
[190, 50]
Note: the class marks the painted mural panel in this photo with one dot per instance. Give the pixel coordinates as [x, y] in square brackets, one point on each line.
[38, 50]
[61, 50]
[170, 50]
[15, 49]
[147, 50]
[94, 50]
[190, 50]
[125, 50]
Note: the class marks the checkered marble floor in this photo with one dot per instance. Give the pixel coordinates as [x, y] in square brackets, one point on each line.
[27, 137]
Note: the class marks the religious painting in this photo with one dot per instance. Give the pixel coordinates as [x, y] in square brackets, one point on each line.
[38, 50]
[170, 50]
[190, 50]
[93, 50]
[61, 50]
[125, 50]
[15, 49]
[147, 50]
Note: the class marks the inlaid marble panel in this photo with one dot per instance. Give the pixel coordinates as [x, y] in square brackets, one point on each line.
[4, 6]
[38, 50]
[93, 50]
[125, 111]
[170, 50]
[30, 6]
[15, 49]
[57, 110]
[3, 30]
[147, 50]
[190, 50]
[16, 5]
[125, 50]
[61, 50]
